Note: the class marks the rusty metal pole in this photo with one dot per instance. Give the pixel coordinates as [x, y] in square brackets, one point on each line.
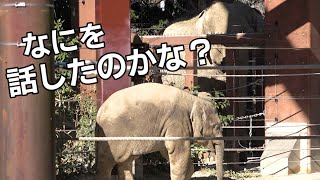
[26, 124]
[191, 81]
[298, 31]
[114, 17]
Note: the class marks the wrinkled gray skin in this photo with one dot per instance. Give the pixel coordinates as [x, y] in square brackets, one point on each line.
[156, 110]
[218, 18]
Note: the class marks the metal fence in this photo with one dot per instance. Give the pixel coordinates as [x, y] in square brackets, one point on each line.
[248, 134]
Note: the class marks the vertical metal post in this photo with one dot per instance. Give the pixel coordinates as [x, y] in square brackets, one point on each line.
[191, 58]
[299, 31]
[86, 15]
[114, 17]
[314, 85]
[230, 84]
[26, 122]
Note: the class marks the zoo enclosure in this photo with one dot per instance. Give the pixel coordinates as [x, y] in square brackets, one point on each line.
[299, 33]
[281, 47]
[251, 123]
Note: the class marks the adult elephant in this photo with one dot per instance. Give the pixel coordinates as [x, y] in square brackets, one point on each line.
[156, 110]
[219, 18]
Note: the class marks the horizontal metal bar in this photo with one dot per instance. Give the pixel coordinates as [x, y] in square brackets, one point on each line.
[257, 161]
[24, 4]
[128, 67]
[235, 127]
[235, 163]
[241, 75]
[75, 152]
[11, 44]
[272, 126]
[74, 100]
[186, 46]
[259, 149]
[226, 150]
[224, 39]
[90, 62]
[266, 98]
[262, 48]
[258, 67]
[65, 130]
[189, 138]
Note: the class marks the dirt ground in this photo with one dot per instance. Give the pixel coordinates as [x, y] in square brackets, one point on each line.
[314, 176]
[162, 173]
[198, 176]
[209, 174]
[256, 176]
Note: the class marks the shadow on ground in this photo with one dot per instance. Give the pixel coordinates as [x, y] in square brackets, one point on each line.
[209, 178]
[163, 173]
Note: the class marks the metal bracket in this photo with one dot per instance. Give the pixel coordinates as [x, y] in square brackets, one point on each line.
[20, 4]
[24, 4]
[12, 44]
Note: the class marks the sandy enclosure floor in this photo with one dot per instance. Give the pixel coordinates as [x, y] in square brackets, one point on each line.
[205, 175]
[314, 176]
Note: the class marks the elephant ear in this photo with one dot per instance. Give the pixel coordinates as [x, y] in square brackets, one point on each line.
[197, 116]
[199, 25]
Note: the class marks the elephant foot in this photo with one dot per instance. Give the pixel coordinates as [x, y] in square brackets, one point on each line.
[125, 170]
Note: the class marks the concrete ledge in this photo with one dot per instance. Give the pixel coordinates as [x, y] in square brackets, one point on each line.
[278, 159]
[290, 161]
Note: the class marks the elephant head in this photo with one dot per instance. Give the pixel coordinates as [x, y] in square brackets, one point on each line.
[219, 18]
[206, 123]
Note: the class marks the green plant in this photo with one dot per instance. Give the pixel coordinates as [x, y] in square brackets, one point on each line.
[197, 150]
[78, 157]
[195, 88]
[157, 28]
[75, 116]
[222, 104]
[66, 91]
[239, 175]
[133, 16]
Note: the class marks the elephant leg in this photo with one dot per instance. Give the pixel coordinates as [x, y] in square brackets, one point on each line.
[105, 162]
[181, 167]
[125, 169]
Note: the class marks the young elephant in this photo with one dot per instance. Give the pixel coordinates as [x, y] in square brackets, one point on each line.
[156, 110]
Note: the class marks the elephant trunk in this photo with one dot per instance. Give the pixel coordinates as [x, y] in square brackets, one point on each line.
[219, 159]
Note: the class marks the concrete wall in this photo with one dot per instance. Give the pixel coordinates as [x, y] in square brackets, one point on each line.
[294, 24]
